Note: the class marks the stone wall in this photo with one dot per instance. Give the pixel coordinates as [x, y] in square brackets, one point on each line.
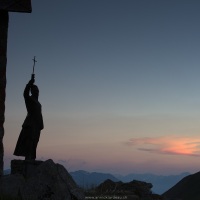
[3, 61]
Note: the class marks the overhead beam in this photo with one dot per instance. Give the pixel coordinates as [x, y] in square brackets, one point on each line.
[16, 5]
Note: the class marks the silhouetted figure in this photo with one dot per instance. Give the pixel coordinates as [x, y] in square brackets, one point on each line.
[33, 124]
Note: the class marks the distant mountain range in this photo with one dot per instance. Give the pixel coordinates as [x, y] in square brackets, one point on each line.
[87, 180]
[160, 183]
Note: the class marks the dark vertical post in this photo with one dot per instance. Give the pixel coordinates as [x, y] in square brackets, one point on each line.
[4, 18]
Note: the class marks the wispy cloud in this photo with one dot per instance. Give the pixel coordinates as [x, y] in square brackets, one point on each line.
[171, 145]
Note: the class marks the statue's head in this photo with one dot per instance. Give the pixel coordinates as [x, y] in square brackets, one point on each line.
[34, 91]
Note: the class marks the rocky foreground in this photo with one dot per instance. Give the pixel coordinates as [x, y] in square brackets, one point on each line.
[37, 180]
[134, 190]
[186, 189]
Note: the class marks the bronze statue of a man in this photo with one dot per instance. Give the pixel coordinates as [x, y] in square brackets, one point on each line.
[33, 124]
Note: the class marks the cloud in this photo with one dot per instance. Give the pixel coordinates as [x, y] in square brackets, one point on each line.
[170, 145]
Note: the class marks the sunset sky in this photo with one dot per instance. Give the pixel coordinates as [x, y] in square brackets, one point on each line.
[119, 83]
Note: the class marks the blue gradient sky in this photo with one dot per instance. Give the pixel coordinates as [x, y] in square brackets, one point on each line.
[110, 73]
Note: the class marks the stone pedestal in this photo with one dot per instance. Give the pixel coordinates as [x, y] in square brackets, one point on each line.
[26, 168]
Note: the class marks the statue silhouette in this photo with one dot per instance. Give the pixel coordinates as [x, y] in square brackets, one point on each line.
[33, 124]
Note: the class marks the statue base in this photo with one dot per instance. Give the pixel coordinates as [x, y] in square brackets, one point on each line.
[24, 167]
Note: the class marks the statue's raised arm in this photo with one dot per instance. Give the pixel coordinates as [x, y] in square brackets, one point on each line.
[33, 123]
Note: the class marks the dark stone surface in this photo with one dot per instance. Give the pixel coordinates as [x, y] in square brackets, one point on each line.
[4, 19]
[41, 180]
[134, 190]
[24, 167]
[186, 189]
[16, 5]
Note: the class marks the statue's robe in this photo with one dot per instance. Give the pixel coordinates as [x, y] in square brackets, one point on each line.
[33, 124]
